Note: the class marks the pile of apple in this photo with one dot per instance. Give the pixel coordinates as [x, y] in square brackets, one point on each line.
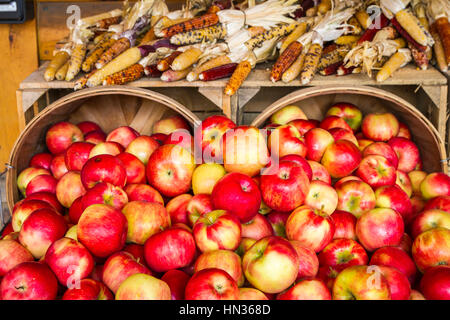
[336, 209]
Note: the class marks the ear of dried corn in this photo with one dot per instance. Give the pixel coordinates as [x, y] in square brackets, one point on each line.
[81, 82]
[204, 21]
[412, 25]
[116, 49]
[285, 60]
[346, 40]
[438, 49]
[420, 58]
[208, 34]
[324, 6]
[60, 58]
[397, 61]
[186, 59]
[105, 23]
[279, 31]
[149, 36]
[238, 77]
[132, 73]
[406, 35]
[363, 18]
[294, 70]
[354, 27]
[219, 72]
[443, 28]
[164, 64]
[92, 57]
[61, 73]
[311, 62]
[294, 35]
[76, 59]
[331, 69]
[152, 71]
[212, 63]
[172, 75]
[332, 57]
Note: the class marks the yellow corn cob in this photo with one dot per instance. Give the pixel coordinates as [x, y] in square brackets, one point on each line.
[438, 49]
[285, 60]
[60, 58]
[401, 43]
[324, 6]
[92, 58]
[294, 70]
[149, 36]
[363, 19]
[132, 73]
[311, 12]
[346, 40]
[186, 59]
[311, 62]
[293, 36]
[356, 28]
[238, 77]
[395, 62]
[254, 31]
[279, 31]
[208, 34]
[214, 62]
[103, 37]
[126, 59]
[172, 75]
[76, 59]
[117, 48]
[412, 25]
[61, 73]
[332, 57]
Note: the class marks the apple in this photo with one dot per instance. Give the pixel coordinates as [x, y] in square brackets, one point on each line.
[302, 162]
[69, 188]
[251, 294]
[76, 210]
[278, 222]
[308, 261]
[29, 281]
[177, 208]
[142, 148]
[95, 137]
[123, 135]
[217, 229]
[307, 289]
[319, 172]
[103, 168]
[377, 171]
[244, 245]
[143, 192]
[197, 207]
[361, 283]
[144, 220]
[404, 183]
[364, 143]
[398, 283]
[344, 225]
[77, 154]
[303, 126]
[134, 168]
[205, 177]
[355, 197]
[430, 248]
[182, 138]
[342, 253]
[40, 230]
[48, 197]
[58, 166]
[416, 295]
[287, 114]
[102, 230]
[406, 243]
[347, 111]
[137, 251]
[89, 289]
[237, 193]
[379, 227]
[27, 175]
[61, 135]
[284, 187]
[328, 275]
[42, 183]
[88, 126]
[331, 122]
[159, 137]
[24, 210]
[286, 140]
[177, 281]
[343, 134]
[170, 170]
[380, 127]
[430, 219]
[208, 136]
[106, 193]
[418, 205]
[435, 283]
[381, 149]
[72, 232]
[407, 153]
[119, 267]
[108, 147]
[141, 286]
[12, 254]
[6, 230]
[395, 198]
[440, 202]
[69, 260]
[41, 160]
[416, 177]
[271, 264]
[341, 158]
[211, 284]
[225, 260]
[313, 228]
[169, 125]
[322, 196]
[257, 228]
[434, 185]
[396, 258]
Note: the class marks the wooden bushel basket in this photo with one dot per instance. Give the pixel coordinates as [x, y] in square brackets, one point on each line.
[110, 107]
[316, 101]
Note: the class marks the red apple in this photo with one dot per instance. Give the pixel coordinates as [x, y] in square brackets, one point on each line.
[347, 111]
[89, 289]
[40, 230]
[77, 154]
[69, 188]
[27, 175]
[382, 149]
[364, 143]
[342, 253]
[322, 196]
[380, 127]
[244, 245]
[42, 183]
[134, 168]
[287, 114]
[317, 141]
[278, 222]
[257, 228]
[398, 283]
[395, 198]
[29, 281]
[182, 138]
[58, 166]
[396, 258]
[141, 286]
[137, 251]
[103, 168]
[404, 131]
[303, 126]
[48, 197]
[377, 171]
[144, 220]
[435, 284]
[142, 148]
[123, 135]
[225, 260]
[407, 153]
[109, 147]
[343, 134]
[76, 210]
[70, 261]
[379, 227]
[23, 210]
[251, 294]
[61, 135]
[312, 228]
[406, 243]
[430, 248]
[341, 158]
[237, 193]
[102, 230]
[177, 281]
[211, 284]
[198, 206]
[106, 193]
[12, 254]
[169, 125]
[88, 126]
[159, 137]
[41, 160]
[284, 187]
[271, 264]
[119, 267]
[404, 183]
[286, 140]
[416, 178]
[430, 219]
[95, 137]
[307, 289]
[143, 192]
[308, 261]
[435, 185]
[331, 122]
[328, 276]
[355, 197]
[177, 208]
[319, 172]
[344, 225]
[6, 230]
[302, 162]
